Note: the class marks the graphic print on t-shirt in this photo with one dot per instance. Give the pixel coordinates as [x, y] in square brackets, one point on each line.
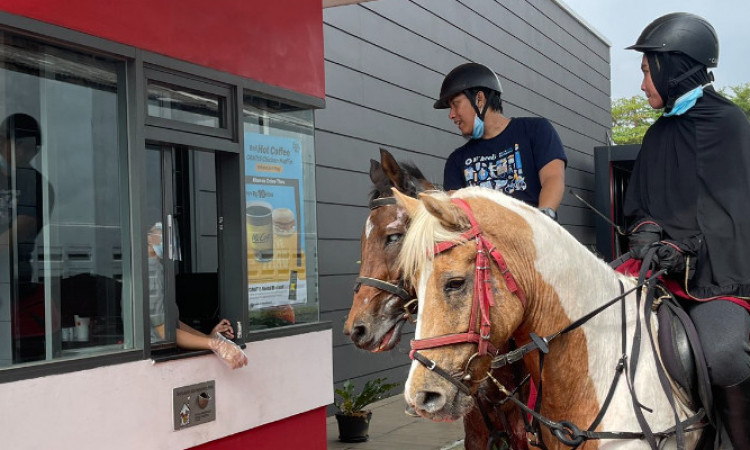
[501, 171]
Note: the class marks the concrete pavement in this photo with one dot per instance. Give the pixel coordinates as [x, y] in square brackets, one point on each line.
[392, 429]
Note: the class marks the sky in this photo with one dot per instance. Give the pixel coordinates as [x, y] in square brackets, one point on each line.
[621, 22]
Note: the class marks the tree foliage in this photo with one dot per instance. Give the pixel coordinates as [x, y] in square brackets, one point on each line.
[739, 95]
[632, 116]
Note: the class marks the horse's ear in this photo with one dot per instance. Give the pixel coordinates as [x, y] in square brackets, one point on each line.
[410, 204]
[392, 170]
[451, 217]
[376, 172]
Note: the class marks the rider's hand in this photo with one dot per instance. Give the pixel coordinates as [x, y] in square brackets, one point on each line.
[643, 235]
[673, 255]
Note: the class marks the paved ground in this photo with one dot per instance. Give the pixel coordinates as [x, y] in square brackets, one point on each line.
[391, 429]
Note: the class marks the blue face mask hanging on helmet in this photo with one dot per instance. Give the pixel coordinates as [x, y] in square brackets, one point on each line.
[686, 101]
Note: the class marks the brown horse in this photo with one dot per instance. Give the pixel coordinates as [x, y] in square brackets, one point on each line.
[480, 257]
[379, 309]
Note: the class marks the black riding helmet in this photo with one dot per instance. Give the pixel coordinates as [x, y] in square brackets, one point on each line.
[681, 32]
[464, 77]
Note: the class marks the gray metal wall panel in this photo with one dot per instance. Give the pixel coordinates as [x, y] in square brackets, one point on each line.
[337, 291]
[338, 257]
[385, 61]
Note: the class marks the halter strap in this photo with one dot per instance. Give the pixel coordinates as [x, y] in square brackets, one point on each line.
[483, 299]
[382, 201]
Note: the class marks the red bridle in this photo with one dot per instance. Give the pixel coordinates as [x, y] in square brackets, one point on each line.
[482, 301]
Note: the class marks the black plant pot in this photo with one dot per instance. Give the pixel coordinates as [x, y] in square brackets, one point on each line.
[354, 428]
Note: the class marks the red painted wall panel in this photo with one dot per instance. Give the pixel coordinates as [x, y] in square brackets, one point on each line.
[303, 431]
[279, 42]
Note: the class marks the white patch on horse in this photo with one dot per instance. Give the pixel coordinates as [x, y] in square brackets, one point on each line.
[366, 300]
[423, 276]
[369, 226]
[398, 223]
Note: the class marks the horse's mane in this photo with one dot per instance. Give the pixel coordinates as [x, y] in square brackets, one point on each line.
[382, 186]
[425, 231]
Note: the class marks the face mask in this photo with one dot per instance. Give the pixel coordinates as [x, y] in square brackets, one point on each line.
[478, 131]
[158, 249]
[686, 101]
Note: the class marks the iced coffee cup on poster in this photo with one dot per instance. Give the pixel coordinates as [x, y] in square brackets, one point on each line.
[260, 230]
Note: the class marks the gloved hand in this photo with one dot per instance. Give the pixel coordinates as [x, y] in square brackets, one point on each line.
[673, 255]
[227, 351]
[642, 236]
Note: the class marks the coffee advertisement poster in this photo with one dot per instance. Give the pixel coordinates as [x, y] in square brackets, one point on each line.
[274, 221]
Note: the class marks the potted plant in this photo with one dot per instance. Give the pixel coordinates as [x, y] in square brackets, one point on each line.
[353, 418]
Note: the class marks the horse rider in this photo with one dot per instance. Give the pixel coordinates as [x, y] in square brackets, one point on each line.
[688, 198]
[521, 156]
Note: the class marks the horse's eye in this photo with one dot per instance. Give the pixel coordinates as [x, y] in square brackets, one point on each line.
[455, 284]
[393, 238]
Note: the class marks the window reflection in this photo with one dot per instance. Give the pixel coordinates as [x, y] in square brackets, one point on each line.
[61, 203]
[280, 213]
[185, 105]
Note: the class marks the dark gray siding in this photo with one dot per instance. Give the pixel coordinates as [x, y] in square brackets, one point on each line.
[385, 61]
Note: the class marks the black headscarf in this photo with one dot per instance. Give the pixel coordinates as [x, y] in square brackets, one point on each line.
[673, 74]
[692, 176]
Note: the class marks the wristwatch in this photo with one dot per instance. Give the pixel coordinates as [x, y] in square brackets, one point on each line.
[550, 212]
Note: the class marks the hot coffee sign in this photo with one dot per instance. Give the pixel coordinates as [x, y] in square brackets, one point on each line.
[274, 217]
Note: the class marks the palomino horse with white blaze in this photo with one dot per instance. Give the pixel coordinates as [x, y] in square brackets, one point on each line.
[489, 268]
[380, 306]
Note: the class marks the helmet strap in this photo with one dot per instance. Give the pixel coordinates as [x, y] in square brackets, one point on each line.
[473, 102]
[674, 82]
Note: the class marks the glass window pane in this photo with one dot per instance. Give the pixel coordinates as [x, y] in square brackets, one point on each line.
[185, 105]
[61, 204]
[280, 215]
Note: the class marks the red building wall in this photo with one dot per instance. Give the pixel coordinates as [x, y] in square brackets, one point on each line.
[303, 431]
[279, 42]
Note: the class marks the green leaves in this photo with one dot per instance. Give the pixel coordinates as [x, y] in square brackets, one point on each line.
[372, 391]
[631, 117]
[740, 96]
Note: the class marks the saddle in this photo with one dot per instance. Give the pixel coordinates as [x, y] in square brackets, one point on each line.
[682, 354]
[679, 346]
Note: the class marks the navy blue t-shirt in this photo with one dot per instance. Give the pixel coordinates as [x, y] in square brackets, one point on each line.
[509, 162]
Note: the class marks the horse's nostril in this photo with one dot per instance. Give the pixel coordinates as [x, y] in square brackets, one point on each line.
[430, 401]
[358, 332]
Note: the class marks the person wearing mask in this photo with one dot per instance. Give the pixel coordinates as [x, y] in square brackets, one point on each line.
[187, 337]
[521, 156]
[688, 198]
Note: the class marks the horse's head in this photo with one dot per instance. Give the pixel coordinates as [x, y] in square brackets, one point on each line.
[378, 309]
[450, 281]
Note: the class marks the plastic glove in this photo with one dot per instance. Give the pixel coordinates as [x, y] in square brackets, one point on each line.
[227, 351]
[643, 235]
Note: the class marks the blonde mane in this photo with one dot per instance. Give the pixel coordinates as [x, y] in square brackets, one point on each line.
[425, 230]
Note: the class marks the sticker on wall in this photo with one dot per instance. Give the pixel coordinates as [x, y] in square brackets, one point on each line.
[194, 404]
